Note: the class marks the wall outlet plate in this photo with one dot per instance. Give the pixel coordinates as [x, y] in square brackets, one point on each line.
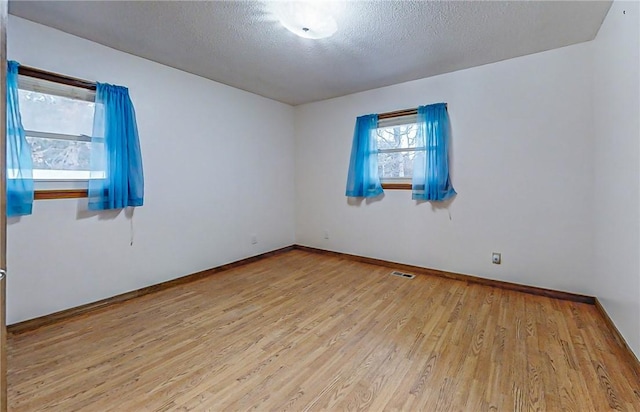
[496, 258]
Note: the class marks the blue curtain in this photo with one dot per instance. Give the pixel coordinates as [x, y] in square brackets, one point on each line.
[19, 162]
[431, 180]
[117, 180]
[363, 179]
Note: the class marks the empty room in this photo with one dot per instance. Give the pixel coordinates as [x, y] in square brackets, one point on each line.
[320, 205]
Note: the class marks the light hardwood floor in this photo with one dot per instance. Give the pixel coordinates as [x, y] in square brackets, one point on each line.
[302, 331]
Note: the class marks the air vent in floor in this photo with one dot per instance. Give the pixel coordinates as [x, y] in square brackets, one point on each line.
[403, 275]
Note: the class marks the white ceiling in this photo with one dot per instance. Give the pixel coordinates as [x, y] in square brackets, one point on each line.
[378, 43]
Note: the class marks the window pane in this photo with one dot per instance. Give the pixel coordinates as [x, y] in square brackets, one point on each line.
[55, 114]
[56, 154]
[397, 137]
[395, 165]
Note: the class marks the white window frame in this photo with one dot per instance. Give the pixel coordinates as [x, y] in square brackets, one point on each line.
[391, 122]
[68, 179]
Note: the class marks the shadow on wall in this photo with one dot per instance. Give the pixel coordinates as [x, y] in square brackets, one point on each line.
[13, 220]
[357, 201]
[435, 206]
[83, 212]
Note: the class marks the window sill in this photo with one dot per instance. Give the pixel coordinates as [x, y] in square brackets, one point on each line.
[396, 186]
[60, 194]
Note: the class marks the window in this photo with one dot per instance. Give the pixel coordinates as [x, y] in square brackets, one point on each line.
[58, 122]
[396, 139]
[405, 149]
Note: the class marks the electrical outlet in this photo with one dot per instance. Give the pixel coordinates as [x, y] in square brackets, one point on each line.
[254, 239]
[326, 234]
[496, 258]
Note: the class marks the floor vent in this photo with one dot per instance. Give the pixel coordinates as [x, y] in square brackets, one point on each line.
[403, 275]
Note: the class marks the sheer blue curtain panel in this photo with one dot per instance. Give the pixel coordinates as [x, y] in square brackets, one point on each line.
[363, 179]
[19, 162]
[117, 178]
[431, 180]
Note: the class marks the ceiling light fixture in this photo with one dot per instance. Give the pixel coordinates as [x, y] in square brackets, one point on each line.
[308, 19]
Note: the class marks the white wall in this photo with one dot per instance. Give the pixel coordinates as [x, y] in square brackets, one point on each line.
[617, 159]
[218, 166]
[522, 166]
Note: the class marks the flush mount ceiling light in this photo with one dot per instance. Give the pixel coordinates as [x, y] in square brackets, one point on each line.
[308, 19]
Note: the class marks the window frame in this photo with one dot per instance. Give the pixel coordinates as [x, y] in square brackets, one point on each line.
[391, 119]
[72, 188]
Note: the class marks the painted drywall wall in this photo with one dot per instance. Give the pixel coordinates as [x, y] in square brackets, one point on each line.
[522, 164]
[218, 166]
[616, 117]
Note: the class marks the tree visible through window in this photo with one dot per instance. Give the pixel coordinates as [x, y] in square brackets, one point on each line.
[396, 149]
[58, 122]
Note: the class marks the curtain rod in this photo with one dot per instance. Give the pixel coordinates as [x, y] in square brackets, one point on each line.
[400, 113]
[55, 77]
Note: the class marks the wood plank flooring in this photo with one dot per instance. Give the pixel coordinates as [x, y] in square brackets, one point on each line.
[301, 331]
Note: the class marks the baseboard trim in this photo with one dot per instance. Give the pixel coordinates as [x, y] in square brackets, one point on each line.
[46, 320]
[33, 324]
[622, 343]
[574, 297]
[52, 318]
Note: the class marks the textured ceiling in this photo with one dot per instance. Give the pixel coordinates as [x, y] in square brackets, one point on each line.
[378, 43]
